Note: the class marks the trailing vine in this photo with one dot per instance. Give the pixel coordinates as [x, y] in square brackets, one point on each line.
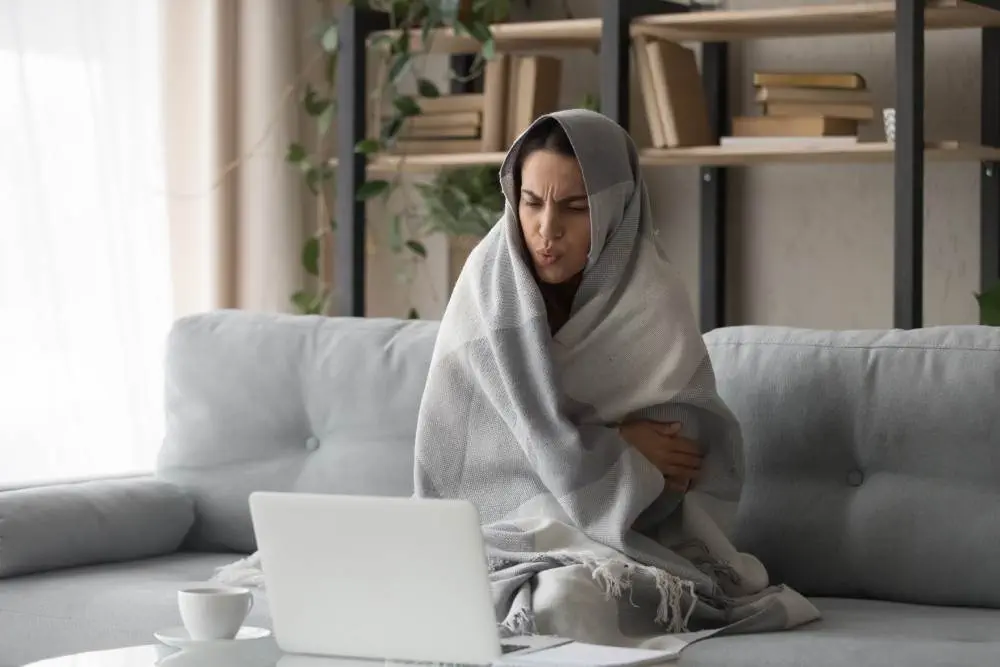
[457, 202]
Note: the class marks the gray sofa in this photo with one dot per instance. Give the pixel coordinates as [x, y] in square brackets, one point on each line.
[873, 483]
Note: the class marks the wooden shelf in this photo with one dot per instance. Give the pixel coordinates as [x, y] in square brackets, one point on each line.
[383, 163]
[520, 36]
[719, 156]
[723, 26]
[861, 152]
[715, 26]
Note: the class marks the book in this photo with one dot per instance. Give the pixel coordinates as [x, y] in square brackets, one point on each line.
[792, 126]
[442, 132]
[778, 94]
[436, 146]
[654, 121]
[846, 111]
[842, 80]
[790, 142]
[535, 86]
[679, 94]
[452, 103]
[495, 90]
[444, 119]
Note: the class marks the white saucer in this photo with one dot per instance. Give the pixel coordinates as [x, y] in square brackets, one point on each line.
[179, 638]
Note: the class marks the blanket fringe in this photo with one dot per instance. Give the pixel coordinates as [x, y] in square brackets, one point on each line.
[519, 624]
[614, 576]
[244, 572]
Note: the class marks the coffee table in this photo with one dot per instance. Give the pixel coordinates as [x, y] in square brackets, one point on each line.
[258, 653]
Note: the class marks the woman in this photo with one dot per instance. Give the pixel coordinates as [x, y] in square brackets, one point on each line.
[571, 399]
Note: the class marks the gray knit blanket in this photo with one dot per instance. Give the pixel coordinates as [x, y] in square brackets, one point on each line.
[584, 540]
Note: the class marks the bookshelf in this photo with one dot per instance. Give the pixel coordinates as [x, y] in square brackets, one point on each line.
[624, 20]
[711, 26]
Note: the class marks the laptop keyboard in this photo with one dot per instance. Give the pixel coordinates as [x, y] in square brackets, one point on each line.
[506, 648]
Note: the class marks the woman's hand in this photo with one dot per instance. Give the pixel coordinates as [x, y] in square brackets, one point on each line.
[678, 458]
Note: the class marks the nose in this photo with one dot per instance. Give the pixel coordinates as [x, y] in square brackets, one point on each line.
[550, 227]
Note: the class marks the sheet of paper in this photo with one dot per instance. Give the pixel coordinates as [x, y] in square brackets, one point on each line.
[592, 655]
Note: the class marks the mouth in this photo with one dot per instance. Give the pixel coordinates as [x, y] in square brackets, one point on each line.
[546, 257]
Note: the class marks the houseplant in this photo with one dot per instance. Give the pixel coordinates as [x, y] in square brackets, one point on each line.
[989, 306]
[402, 64]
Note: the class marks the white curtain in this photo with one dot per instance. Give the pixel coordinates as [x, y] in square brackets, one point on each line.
[85, 297]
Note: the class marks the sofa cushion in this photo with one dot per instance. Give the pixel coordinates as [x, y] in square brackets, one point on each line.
[864, 633]
[288, 403]
[63, 525]
[100, 607]
[872, 459]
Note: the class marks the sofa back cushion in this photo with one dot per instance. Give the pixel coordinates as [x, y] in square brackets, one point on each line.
[872, 459]
[288, 403]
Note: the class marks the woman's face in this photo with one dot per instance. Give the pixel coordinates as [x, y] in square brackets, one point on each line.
[555, 215]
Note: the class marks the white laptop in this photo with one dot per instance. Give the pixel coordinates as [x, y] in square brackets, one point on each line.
[379, 578]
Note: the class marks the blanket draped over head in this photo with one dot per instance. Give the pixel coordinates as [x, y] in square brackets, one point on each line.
[584, 540]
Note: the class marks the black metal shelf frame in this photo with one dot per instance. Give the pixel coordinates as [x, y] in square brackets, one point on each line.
[908, 276]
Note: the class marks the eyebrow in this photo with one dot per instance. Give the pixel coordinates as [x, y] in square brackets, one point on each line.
[565, 200]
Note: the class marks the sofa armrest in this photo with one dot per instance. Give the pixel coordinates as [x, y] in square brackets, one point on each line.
[66, 525]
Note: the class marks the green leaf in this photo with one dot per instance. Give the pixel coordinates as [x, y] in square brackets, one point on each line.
[428, 88]
[308, 304]
[330, 39]
[591, 101]
[413, 314]
[392, 128]
[296, 153]
[367, 146]
[476, 29]
[417, 248]
[372, 189]
[313, 179]
[489, 48]
[989, 306]
[310, 256]
[400, 45]
[407, 106]
[325, 119]
[316, 175]
[314, 103]
[399, 67]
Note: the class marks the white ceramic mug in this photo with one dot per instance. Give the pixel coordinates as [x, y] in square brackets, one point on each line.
[214, 612]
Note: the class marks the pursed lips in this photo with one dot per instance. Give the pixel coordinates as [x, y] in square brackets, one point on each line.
[547, 257]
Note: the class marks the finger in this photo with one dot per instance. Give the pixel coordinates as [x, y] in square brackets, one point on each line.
[684, 445]
[683, 459]
[667, 428]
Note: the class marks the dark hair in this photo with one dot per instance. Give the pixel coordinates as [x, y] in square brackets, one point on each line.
[547, 135]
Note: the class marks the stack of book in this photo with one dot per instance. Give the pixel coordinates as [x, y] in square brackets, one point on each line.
[447, 124]
[806, 105]
[517, 89]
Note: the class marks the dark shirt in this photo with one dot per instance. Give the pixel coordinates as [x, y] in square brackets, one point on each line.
[559, 301]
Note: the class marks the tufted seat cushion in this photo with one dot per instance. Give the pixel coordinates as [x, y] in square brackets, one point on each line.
[872, 459]
[288, 403]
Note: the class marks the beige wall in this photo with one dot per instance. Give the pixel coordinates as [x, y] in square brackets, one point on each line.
[812, 245]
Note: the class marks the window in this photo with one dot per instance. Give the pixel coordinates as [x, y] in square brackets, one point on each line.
[85, 299]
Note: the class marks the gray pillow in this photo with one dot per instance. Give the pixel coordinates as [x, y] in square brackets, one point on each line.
[65, 525]
[872, 459]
